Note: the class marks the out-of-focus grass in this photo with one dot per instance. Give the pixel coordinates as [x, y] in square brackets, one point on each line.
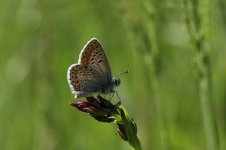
[40, 39]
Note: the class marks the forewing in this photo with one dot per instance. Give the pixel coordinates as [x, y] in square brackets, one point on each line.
[93, 55]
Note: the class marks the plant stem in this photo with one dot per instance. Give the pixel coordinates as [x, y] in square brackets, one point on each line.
[131, 132]
[198, 18]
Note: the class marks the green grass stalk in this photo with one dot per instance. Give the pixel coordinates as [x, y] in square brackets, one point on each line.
[198, 23]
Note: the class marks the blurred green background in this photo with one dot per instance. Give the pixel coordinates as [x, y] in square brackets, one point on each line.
[175, 92]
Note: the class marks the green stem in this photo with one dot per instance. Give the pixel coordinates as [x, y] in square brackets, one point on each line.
[198, 23]
[130, 130]
[207, 109]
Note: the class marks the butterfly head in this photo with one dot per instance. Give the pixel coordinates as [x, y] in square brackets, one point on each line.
[116, 81]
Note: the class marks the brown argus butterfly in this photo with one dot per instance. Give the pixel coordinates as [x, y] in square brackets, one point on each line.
[92, 73]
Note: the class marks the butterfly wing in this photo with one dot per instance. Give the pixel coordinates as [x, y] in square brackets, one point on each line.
[93, 55]
[84, 80]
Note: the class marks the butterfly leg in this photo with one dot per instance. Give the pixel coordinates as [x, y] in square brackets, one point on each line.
[106, 96]
[111, 96]
[119, 102]
[117, 96]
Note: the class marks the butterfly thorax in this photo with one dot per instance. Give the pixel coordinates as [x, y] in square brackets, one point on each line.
[110, 87]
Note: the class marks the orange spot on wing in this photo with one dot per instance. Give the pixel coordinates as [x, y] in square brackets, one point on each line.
[75, 81]
[87, 56]
[77, 86]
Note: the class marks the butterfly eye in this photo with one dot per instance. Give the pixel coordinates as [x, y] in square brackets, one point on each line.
[90, 77]
[116, 82]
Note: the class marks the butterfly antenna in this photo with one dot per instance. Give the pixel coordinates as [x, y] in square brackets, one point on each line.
[127, 71]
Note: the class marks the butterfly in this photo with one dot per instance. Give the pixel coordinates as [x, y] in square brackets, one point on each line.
[92, 73]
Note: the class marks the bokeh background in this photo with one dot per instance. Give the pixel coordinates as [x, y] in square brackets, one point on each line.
[175, 92]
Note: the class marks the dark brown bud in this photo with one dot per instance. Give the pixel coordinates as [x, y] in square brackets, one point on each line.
[122, 132]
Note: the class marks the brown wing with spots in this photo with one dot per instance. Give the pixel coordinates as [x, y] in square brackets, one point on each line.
[84, 79]
[93, 55]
